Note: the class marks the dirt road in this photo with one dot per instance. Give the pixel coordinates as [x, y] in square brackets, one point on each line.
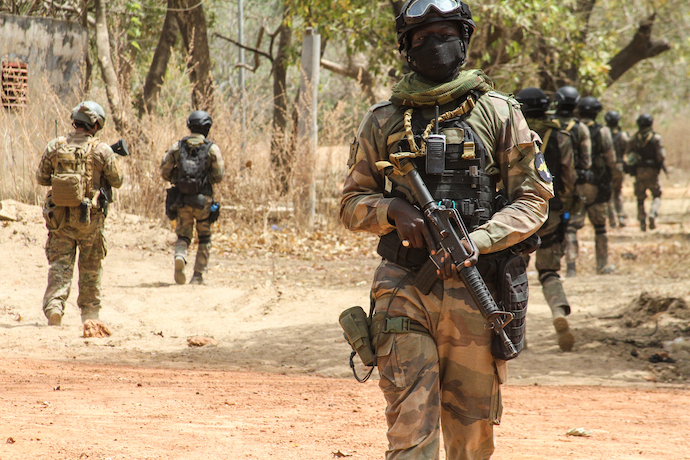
[277, 384]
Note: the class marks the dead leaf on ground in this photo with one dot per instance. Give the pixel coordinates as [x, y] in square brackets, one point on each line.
[201, 341]
[95, 328]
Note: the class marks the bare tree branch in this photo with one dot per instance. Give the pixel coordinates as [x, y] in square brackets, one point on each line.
[642, 46]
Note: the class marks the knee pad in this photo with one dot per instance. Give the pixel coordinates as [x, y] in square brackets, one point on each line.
[204, 239]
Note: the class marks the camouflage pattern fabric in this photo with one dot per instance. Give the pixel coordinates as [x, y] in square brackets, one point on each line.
[66, 233]
[169, 164]
[647, 179]
[448, 381]
[583, 149]
[186, 216]
[620, 144]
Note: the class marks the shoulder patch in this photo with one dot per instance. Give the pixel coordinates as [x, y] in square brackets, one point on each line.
[542, 169]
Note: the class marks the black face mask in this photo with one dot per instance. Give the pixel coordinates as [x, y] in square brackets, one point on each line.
[437, 59]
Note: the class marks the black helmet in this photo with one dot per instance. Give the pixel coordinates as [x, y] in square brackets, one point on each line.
[612, 118]
[589, 106]
[417, 12]
[645, 121]
[199, 122]
[534, 101]
[566, 97]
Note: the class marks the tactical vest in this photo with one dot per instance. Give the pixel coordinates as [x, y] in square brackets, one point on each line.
[617, 136]
[573, 129]
[600, 170]
[464, 184]
[71, 181]
[645, 146]
[193, 166]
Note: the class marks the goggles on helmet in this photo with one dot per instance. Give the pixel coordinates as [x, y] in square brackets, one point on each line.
[418, 9]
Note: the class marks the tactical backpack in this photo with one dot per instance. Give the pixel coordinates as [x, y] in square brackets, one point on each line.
[193, 166]
[601, 171]
[71, 179]
[645, 147]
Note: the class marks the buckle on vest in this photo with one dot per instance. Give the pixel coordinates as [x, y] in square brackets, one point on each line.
[399, 325]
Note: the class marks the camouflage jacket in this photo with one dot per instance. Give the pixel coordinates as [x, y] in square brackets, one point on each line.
[105, 169]
[583, 152]
[620, 143]
[608, 153]
[511, 148]
[568, 175]
[169, 163]
[647, 147]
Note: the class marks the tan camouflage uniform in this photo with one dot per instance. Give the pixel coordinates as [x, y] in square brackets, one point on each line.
[66, 233]
[447, 380]
[617, 215]
[597, 212]
[548, 259]
[187, 215]
[647, 175]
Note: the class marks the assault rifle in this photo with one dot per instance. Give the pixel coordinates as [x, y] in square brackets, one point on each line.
[448, 230]
[105, 194]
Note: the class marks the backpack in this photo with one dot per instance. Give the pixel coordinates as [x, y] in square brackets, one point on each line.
[71, 179]
[602, 173]
[192, 167]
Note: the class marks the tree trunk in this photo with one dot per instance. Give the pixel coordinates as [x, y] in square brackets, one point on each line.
[281, 157]
[159, 63]
[642, 46]
[88, 70]
[106, 64]
[192, 23]
[358, 70]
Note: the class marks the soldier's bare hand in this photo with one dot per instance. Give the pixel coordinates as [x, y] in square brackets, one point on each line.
[449, 270]
[410, 224]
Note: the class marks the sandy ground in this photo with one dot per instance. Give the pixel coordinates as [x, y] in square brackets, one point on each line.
[278, 385]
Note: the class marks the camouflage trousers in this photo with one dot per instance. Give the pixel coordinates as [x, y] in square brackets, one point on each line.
[617, 214]
[61, 249]
[597, 213]
[186, 218]
[447, 381]
[548, 264]
[647, 179]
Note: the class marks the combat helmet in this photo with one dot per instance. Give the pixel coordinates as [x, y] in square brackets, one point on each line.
[612, 118]
[566, 98]
[589, 107]
[534, 101]
[645, 121]
[90, 114]
[199, 122]
[417, 12]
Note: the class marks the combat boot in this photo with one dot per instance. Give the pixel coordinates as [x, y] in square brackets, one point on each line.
[571, 271]
[565, 338]
[180, 277]
[197, 278]
[652, 223]
[643, 226]
[55, 318]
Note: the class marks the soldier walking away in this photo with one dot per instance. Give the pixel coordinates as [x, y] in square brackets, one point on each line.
[193, 165]
[558, 150]
[79, 169]
[565, 101]
[596, 187]
[434, 353]
[616, 213]
[645, 161]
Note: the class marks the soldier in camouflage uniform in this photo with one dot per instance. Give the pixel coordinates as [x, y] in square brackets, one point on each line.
[195, 204]
[616, 212]
[596, 187]
[443, 378]
[565, 100]
[646, 159]
[80, 226]
[559, 154]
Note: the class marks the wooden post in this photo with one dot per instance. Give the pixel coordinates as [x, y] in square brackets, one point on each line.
[307, 127]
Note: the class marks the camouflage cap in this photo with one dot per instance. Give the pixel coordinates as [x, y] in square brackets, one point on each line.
[90, 113]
